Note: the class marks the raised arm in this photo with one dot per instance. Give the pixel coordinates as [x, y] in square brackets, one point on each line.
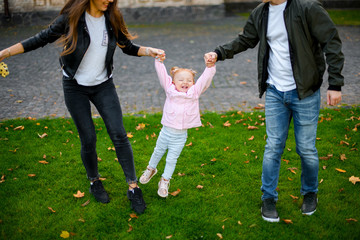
[11, 51]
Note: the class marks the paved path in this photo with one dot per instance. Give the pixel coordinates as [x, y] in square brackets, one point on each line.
[33, 88]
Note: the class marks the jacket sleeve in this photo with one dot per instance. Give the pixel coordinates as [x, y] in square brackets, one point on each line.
[247, 39]
[324, 31]
[49, 35]
[127, 46]
[205, 80]
[164, 78]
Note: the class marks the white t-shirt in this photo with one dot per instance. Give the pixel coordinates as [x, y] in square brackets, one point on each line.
[279, 68]
[92, 70]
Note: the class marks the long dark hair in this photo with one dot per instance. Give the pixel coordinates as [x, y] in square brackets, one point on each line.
[75, 8]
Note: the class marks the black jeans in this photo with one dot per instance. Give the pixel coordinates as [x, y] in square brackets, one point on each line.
[105, 99]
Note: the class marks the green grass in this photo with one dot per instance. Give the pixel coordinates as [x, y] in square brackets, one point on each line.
[228, 203]
[339, 16]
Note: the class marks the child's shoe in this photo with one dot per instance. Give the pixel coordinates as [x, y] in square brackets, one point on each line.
[164, 185]
[147, 175]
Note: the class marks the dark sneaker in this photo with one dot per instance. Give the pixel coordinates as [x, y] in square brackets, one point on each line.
[98, 191]
[137, 200]
[309, 204]
[268, 210]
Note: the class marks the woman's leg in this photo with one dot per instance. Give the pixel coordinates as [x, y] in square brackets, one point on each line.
[108, 105]
[78, 104]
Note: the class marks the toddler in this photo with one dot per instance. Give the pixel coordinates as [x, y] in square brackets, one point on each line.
[181, 112]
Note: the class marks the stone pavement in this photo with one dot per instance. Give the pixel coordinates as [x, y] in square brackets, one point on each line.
[34, 88]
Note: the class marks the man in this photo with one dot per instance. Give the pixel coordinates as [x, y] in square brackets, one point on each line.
[293, 37]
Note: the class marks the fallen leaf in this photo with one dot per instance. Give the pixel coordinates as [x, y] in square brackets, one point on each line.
[340, 170]
[43, 162]
[31, 175]
[243, 83]
[227, 148]
[129, 135]
[19, 128]
[351, 220]
[239, 223]
[343, 142]
[321, 180]
[213, 160]
[294, 197]
[176, 192]
[288, 221]
[133, 215]
[181, 174]
[81, 220]
[168, 237]
[140, 126]
[287, 161]
[190, 144]
[219, 235]
[85, 203]
[130, 228]
[199, 187]
[79, 194]
[227, 124]
[354, 179]
[252, 127]
[342, 157]
[251, 138]
[52, 210]
[43, 135]
[65, 234]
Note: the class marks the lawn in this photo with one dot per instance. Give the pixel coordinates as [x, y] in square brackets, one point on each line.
[216, 182]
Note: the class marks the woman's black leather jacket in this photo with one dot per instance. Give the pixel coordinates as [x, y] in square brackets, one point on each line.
[70, 63]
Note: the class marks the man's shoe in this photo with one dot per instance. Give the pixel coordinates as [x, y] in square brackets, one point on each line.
[98, 191]
[268, 210]
[147, 175]
[309, 204]
[137, 201]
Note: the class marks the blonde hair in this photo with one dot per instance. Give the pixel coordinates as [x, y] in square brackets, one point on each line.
[175, 70]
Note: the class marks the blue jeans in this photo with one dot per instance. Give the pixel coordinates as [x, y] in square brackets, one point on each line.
[280, 108]
[105, 99]
[174, 141]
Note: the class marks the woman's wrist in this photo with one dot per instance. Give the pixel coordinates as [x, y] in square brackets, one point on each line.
[9, 52]
[147, 51]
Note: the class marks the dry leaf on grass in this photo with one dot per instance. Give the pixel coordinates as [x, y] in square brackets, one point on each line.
[340, 170]
[175, 192]
[140, 126]
[288, 221]
[52, 210]
[65, 234]
[79, 194]
[219, 235]
[354, 179]
[351, 220]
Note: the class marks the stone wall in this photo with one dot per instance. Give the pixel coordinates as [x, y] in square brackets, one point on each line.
[35, 12]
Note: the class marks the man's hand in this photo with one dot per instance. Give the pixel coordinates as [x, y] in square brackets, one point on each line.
[333, 97]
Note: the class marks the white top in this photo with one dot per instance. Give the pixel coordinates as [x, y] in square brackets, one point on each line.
[92, 70]
[279, 68]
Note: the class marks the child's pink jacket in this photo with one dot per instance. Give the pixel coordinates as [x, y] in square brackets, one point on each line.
[181, 110]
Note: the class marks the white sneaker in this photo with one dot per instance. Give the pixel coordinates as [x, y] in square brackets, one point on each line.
[147, 175]
[164, 187]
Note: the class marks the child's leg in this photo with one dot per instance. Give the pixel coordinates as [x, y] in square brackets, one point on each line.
[175, 147]
[159, 150]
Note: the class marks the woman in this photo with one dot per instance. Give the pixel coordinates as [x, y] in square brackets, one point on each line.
[89, 31]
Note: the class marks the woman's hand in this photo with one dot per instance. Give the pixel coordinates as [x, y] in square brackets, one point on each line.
[152, 52]
[4, 54]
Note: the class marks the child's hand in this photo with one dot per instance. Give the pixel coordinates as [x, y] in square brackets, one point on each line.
[210, 59]
[161, 57]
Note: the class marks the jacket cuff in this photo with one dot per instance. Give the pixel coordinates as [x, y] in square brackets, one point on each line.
[219, 55]
[334, 88]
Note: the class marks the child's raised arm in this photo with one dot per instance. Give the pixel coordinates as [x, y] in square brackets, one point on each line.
[205, 79]
[164, 78]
